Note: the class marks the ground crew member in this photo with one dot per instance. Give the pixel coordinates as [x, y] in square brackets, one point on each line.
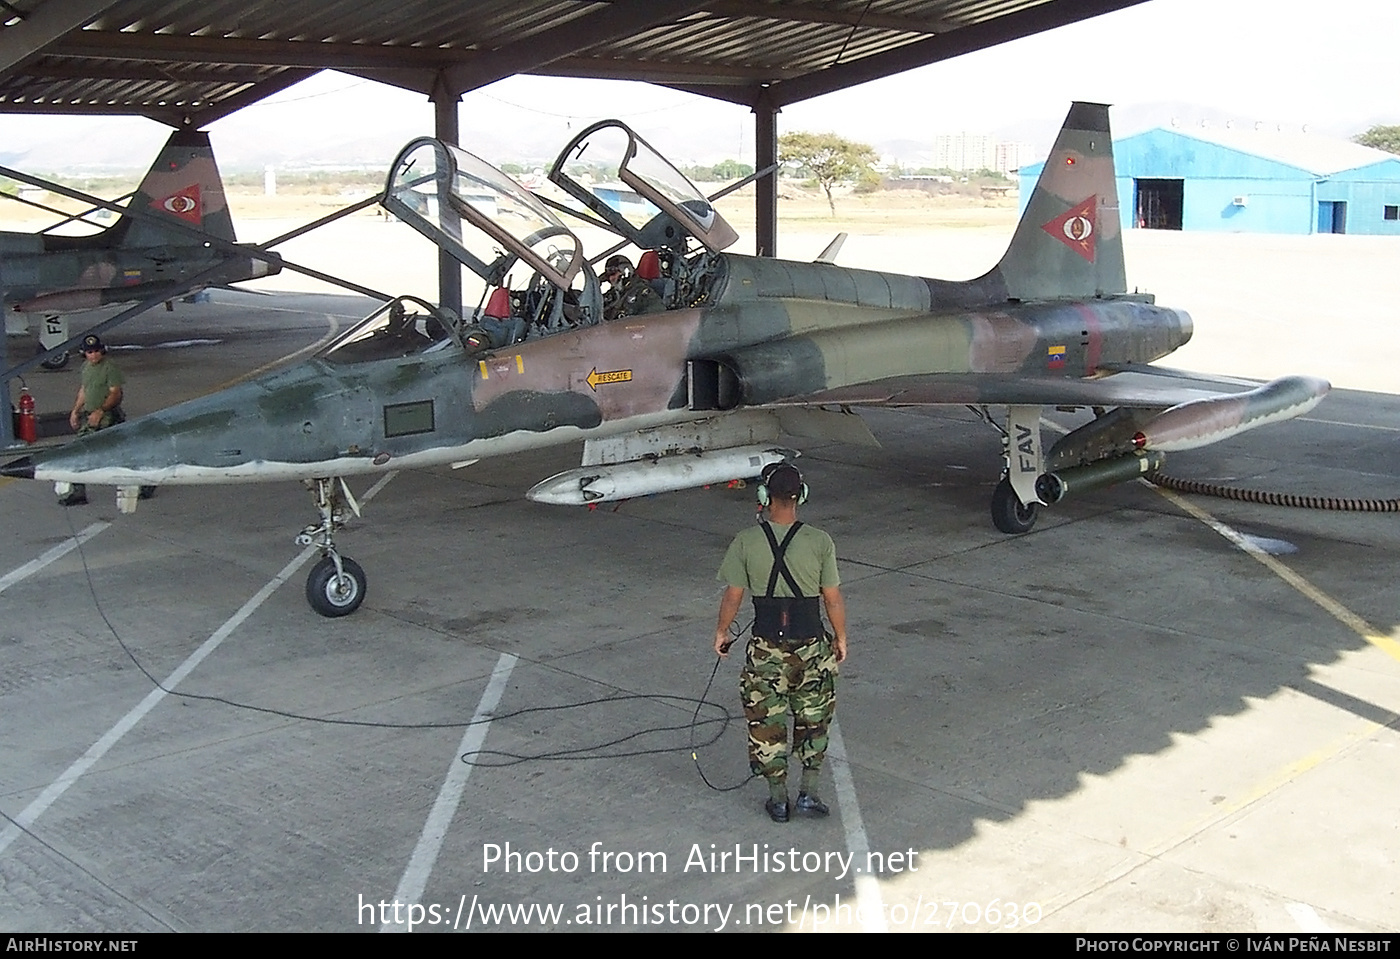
[98, 405]
[790, 568]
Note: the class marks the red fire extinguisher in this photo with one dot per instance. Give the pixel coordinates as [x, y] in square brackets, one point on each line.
[26, 424]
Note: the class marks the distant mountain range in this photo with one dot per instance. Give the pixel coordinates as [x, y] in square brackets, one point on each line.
[111, 145]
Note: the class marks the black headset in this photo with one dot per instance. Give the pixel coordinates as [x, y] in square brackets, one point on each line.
[767, 475]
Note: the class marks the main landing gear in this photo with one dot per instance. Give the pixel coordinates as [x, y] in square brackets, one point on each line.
[1015, 504]
[54, 363]
[337, 584]
[1009, 514]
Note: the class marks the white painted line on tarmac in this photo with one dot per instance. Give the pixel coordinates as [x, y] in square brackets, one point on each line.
[1359, 426]
[420, 865]
[1306, 917]
[1342, 614]
[58, 552]
[332, 329]
[124, 725]
[870, 902]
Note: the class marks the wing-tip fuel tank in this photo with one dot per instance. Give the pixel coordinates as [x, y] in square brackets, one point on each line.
[1202, 422]
[679, 363]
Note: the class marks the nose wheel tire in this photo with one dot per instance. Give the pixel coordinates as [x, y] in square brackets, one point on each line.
[1009, 514]
[332, 595]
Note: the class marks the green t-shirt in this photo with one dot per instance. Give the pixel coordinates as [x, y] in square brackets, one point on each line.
[98, 380]
[811, 558]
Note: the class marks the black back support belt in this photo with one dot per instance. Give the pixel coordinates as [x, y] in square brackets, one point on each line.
[785, 617]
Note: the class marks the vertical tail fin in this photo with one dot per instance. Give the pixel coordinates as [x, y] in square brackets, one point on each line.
[1069, 243]
[182, 186]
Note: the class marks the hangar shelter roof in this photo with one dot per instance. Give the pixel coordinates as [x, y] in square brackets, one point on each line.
[190, 62]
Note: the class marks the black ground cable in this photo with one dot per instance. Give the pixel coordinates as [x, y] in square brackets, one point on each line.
[724, 719]
[1337, 504]
[695, 748]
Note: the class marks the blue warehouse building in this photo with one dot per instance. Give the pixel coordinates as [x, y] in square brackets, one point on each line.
[1251, 181]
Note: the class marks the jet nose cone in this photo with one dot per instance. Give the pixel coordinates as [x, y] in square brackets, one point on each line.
[19, 469]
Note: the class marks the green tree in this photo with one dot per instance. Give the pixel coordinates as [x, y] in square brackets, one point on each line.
[827, 158]
[1382, 138]
[730, 170]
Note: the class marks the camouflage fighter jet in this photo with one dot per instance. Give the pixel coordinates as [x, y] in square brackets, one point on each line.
[51, 275]
[687, 370]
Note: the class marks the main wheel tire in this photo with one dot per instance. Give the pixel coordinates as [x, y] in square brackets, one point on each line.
[54, 362]
[332, 597]
[1009, 514]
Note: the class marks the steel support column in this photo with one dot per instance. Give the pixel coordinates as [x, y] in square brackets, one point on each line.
[7, 423]
[446, 128]
[766, 187]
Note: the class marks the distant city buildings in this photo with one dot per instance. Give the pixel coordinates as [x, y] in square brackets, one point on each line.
[978, 151]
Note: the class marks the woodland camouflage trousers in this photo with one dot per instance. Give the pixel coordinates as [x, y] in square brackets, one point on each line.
[777, 679]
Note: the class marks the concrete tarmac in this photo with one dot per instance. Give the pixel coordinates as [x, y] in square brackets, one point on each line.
[1152, 713]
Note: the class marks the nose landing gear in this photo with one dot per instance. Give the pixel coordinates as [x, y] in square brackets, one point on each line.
[337, 584]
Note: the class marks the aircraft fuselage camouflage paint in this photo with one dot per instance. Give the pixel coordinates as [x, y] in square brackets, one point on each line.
[140, 256]
[687, 368]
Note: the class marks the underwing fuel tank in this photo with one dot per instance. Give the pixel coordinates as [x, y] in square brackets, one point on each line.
[665, 474]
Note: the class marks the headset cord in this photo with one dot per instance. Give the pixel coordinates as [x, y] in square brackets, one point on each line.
[510, 759]
[703, 699]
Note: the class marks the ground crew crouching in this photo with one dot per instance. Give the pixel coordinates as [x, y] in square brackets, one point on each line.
[97, 406]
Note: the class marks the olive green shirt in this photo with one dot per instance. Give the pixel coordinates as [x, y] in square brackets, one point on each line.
[98, 381]
[811, 558]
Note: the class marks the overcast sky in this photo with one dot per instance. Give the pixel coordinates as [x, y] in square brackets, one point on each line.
[1333, 67]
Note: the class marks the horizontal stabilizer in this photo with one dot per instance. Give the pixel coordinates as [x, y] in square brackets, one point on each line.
[833, 250]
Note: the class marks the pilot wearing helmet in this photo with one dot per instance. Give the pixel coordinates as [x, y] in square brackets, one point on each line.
[625, 293]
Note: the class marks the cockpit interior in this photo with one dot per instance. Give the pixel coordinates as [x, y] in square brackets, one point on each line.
[537, 281]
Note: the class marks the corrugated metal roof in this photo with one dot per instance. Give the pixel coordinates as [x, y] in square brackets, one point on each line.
[183, 61]
[1319, 155]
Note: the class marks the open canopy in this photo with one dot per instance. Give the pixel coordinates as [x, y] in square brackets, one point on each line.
[620, 177]
[479, 215]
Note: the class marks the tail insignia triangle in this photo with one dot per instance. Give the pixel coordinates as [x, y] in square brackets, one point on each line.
[1075, 227]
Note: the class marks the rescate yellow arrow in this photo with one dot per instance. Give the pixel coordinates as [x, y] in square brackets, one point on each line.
[611, 376]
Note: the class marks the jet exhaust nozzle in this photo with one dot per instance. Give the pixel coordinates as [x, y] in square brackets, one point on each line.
[1050, 488]
[605, 483]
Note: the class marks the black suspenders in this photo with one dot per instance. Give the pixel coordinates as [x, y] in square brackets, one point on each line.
[779, 563]
[785, 618]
